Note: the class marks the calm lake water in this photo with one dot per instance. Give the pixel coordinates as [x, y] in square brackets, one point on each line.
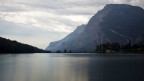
[71, 67]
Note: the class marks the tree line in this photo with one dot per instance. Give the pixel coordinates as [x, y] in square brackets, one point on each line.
[116, 47]
[12, 46]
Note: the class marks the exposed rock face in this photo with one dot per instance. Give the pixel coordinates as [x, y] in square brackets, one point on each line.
[140, 39]
[114, 23]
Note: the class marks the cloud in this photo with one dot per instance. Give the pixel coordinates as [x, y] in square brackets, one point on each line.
[42, 20]
[48, 20]
[132, 2]
[29, 35]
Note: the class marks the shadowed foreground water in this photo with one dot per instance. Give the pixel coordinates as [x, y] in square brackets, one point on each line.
[71, 67]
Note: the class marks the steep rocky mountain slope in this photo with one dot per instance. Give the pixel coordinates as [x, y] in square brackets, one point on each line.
[114, 23]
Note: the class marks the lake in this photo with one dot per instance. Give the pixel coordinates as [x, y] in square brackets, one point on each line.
[72, 67]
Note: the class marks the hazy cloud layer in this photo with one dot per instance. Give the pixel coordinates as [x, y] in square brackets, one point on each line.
[48, 20]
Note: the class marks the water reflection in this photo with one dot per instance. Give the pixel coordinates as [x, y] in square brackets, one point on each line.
[45, 67]
[117, 68]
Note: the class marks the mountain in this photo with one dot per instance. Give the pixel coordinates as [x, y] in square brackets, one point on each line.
[140, 39]
[10, 46]
[63, 44]
[119, 23]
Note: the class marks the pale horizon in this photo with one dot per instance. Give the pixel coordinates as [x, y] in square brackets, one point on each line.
[39, 22]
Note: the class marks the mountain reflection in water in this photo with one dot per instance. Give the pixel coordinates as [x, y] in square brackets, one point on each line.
[71, 67]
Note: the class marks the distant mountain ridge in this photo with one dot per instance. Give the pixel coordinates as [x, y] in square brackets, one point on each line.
[114, 23]
[11, 46]
[64, 43]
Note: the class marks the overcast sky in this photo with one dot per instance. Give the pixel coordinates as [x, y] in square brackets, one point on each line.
[38, 22]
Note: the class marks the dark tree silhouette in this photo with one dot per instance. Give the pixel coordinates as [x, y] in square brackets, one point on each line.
[8, 46]
[65, 51]
[115, 47]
